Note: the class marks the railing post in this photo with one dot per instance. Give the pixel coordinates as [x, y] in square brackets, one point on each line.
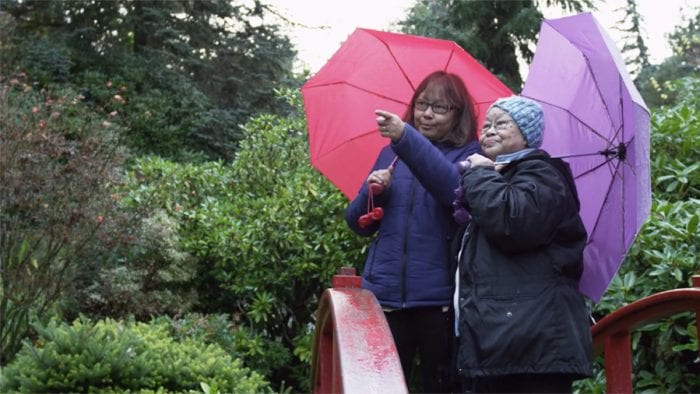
[611, 335]
[353, 349]
[346, 277]
[618, 362]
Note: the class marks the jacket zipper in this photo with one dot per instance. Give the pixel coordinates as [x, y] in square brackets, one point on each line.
[374, 257]
[404, 257]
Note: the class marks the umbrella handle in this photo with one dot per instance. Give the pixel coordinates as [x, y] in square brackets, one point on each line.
[393, 164]
[374, 213]
[378, 188]
[375, 188]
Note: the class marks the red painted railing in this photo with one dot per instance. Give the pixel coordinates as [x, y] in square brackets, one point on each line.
[611, 334]
[353, 350]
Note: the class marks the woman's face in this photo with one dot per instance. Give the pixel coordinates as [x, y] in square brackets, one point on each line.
[500, 135]
[433, 115]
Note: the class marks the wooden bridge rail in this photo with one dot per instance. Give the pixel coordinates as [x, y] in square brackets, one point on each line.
[354, 351]
[611, 335]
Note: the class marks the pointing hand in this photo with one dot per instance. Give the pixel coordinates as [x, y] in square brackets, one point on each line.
[390, 125]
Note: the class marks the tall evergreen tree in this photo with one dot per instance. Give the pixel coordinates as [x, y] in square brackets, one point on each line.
[191, 71]
[655, 80]
[494, 32]
[685, 41]
[634, 49]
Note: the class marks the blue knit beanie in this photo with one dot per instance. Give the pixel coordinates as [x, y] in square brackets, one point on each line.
[527, 114]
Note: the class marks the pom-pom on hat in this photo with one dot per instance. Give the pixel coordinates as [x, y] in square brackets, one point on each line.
[527, 114]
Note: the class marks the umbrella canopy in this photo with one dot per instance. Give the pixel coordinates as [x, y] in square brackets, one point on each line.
[597, 121]
[378, 70]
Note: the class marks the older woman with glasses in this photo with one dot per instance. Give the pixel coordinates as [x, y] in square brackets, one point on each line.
[522, 323]
[409, 265]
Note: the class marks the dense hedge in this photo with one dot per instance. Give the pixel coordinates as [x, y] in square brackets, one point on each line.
[114, 356]
[266, 231]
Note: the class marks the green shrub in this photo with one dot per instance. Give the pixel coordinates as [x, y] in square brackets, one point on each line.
[59, 160]
[144, 275]
[267, 232]
[675, 144]
[46, 60]
[253, 348]
[663, 257]
[112, 356]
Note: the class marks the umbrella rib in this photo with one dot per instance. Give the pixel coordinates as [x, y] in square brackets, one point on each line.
[330, 151]
[600, 94]
[572, 115]
[608, 160]
[388, 48]
[615, 174]
[621, 130]
[449, 59]
[624, 213]
[359, 88]
[607, 194]
[595, 82]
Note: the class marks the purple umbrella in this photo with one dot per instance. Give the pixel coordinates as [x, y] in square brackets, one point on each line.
[596, 120]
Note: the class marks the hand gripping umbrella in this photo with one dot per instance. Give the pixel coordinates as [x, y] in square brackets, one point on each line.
[597, 121]
[378, 70]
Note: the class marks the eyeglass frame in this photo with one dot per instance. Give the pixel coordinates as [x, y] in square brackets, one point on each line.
[420, 103]
[495, 125]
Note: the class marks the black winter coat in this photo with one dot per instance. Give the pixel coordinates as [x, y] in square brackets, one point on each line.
[521, 260]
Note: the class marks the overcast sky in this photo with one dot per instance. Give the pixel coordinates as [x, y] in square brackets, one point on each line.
[324, 25]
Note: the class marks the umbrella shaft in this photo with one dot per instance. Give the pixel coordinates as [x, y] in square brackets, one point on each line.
[620, 151]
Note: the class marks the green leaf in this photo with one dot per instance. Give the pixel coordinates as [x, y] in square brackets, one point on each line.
[692, 227]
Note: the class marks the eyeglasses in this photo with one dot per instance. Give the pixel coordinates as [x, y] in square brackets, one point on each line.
[437, 108]
[500, 125]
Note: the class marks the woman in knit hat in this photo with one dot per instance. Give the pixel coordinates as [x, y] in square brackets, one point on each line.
[522, 323]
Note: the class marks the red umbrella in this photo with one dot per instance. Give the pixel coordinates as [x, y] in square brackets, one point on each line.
[378, 70]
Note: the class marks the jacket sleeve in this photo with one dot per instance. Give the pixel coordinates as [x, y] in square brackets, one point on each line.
[429, 165]
[358, 206]
[520, 213]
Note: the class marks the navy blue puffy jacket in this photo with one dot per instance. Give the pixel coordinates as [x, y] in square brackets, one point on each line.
[409, 261]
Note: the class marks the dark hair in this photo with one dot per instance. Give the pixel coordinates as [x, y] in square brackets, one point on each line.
[463, 129]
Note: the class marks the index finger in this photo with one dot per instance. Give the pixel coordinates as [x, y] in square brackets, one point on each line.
[386, 114]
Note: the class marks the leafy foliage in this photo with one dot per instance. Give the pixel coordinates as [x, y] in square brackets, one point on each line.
[256, 352]
[58, 163]
[267, 232]
[186, 74]
[145, 273]
[675, 141]
[111, 356]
